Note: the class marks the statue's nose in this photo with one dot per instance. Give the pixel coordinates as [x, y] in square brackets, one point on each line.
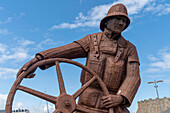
[121, 22]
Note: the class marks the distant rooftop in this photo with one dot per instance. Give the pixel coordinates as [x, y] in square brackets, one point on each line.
[17, 111]
[152, 105]
[167, 111]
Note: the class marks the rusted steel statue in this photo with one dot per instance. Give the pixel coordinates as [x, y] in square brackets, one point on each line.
[110, 78]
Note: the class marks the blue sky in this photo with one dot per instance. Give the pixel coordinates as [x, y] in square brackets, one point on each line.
[27, 27]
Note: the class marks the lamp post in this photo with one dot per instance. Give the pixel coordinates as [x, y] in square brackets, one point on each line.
[47, 105]
[156, 86]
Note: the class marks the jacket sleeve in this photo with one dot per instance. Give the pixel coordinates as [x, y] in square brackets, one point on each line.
[131, 83]
[70, 51]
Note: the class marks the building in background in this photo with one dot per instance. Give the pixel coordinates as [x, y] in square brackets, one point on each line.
[17, 111]
[152, 105]
[167, 111]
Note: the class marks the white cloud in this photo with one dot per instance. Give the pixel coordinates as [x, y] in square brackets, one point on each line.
[161, 9]
[41, 108]
[81, 1]
[161, 62]
[3, 31]
[133, 111]
[152, 58]
[51, 108]
[21, 50]
[20, 105]
[164, 62]
[153, 70]
[34, 29]
[3, 98]
[22, 14]
[91, 20]
[19, 15]
[8, 20]
[155, 76]
[6, 73]
[135, 6]
[20, 54]
[95, 14]
[17, 105]
[26, 42]
[47, 42]
[16, 54]
[167, 81]
[2, 48]
[165, 10]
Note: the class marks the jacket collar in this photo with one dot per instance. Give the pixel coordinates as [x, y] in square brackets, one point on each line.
[120, 40]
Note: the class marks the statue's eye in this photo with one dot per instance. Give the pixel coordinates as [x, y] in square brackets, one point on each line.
[118, 18]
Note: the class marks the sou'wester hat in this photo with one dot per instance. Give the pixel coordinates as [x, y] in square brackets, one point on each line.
[115, 10]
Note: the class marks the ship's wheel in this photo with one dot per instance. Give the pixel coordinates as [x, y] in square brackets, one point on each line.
[64, 103]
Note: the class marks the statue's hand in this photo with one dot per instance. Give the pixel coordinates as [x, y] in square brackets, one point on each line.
[112, 100]
[26, 66]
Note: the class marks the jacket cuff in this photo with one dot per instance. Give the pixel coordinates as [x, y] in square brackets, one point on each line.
[39, 56]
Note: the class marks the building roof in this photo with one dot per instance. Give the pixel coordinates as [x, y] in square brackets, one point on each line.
[19, 111]
[167, 111]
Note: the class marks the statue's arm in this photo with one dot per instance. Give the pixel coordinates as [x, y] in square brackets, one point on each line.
[77, 49]
[70, 51]
[131, 83]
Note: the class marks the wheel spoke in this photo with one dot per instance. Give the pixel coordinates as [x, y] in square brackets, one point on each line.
[41, 95]
[78, 92]
[89, 110]
[82, 109]
[57, 111]
[111, 110]
[60, 78]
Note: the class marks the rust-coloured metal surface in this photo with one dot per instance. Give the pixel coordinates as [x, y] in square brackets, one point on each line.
[64, 103]
[112, 61]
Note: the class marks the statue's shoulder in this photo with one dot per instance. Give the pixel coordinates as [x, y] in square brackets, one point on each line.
[95, 37]
[130, 44]
[132, 52]
[97, 34]
[127, 42]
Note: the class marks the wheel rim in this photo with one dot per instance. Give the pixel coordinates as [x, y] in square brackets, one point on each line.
[16, 86]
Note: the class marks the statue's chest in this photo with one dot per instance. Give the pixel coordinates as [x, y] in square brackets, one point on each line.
[104, 59]
[108, 46]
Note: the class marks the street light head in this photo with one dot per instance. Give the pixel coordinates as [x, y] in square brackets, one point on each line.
[150, 82]
[159, 81]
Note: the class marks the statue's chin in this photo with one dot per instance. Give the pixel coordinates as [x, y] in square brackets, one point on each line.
[116, 32]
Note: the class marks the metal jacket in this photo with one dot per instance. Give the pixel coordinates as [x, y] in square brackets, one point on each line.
[115, 61]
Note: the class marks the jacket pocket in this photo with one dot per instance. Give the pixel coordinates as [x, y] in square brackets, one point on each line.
[95, 64]
[113, 73]
[89, 97]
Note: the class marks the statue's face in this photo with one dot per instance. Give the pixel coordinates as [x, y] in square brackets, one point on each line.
[116, 24]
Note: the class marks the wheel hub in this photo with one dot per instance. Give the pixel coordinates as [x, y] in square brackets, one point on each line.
[65, 104]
